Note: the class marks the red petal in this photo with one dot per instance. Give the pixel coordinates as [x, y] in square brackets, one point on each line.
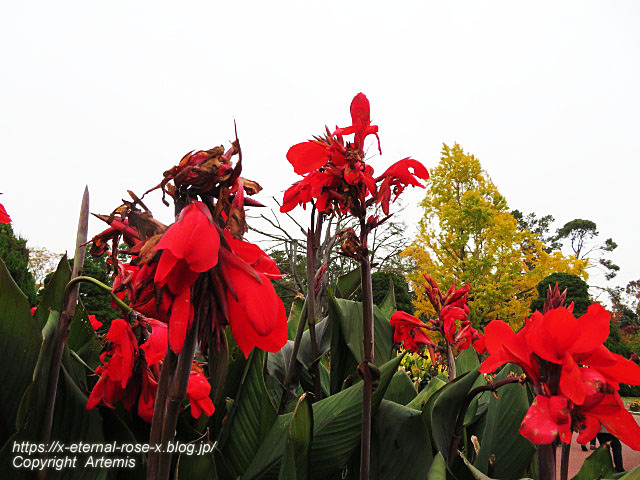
[156, 345]
[591, 428]
[308, 156]
[360, 110]
[181, 318]
[537, 426]
[618, 421]
[623, 371]
[594, 329]
[95, 323]
[553, 335]
[571, 382]
[4, 216]
[258, 318]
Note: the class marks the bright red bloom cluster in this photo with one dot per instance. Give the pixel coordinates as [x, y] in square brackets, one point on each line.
[163, 283]
[336, 175]
[198, 266]
[575, 377]
[410, 331]
[451, 309]
[130, 372]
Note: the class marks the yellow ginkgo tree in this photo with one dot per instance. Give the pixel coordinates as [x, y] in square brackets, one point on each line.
[468, 234]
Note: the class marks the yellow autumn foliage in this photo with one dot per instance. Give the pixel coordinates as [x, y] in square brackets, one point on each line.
[468, 234]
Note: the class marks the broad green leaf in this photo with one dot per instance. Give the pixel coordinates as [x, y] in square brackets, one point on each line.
[336, 431]
[443, 408]
[400, 443]
[500, 437]
[323, 336]
[337, 423]
[388, 305]
[71, 420]
[349, 315]
[196, 467]
[348, 284]
[53, 296]
[249, 420]
[294, 316]
[295, 463]
[19, 339]
[343, 364]
[630, 475]
[438, 469]
[435, 384]
[596, 465]
[477, 474]
[82, 338]
[467, 361]
[401, 389]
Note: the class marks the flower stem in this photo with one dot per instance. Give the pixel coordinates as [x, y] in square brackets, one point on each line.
[547, 461]
[98, 283]
[168, 369]
[175, 395]
[70, 302]
[451, 363]
[367, 320]
[564, 461]
[311, 310]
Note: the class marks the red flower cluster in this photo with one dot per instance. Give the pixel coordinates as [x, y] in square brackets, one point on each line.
[4, 216]
[197, 268]
[410, 331]
[336, 175]
[575, 377]
[451, 309]
[129, 372]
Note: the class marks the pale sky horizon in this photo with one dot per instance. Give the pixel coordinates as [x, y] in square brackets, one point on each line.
[110, 95]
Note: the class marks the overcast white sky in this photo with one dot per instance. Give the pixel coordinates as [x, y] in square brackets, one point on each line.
[110, 94]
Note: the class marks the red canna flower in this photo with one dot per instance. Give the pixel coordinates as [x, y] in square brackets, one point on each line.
[308, 156]
[147, 395]
[547, 418]
[254, 256]
[410, 331]
[361, 122]
[198, 391]
[255, 312]
[189, 247]
[156, 345]
[505, 346]
[560, 338]
[123, 353]
[337, 176]
[95, 323]
[578, 389]
[398, 176]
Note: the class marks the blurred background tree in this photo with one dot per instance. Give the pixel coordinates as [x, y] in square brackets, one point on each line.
[15, 254]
